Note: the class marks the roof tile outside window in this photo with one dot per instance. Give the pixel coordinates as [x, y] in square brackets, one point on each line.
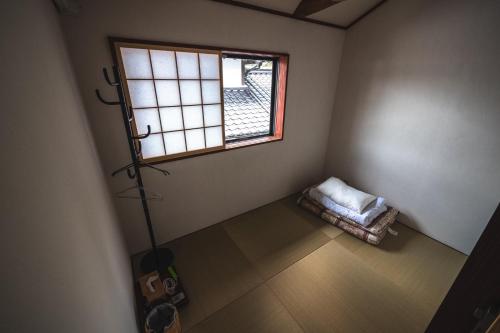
[247, 109]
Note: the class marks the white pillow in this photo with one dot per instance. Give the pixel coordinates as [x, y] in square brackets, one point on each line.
[345, 195]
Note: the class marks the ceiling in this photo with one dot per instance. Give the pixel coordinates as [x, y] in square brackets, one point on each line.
[336, 13]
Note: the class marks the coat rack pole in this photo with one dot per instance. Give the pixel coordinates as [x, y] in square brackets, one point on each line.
[155, 260]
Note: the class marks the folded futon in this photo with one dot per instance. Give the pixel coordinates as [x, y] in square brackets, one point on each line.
[372, 233]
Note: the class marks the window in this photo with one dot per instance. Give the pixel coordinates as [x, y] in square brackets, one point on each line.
[249, 95]
[196, 100]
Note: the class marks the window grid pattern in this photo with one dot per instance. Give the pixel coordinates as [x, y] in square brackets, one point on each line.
[178, 94]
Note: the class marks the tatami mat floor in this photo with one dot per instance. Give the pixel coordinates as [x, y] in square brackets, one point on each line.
[280, 269]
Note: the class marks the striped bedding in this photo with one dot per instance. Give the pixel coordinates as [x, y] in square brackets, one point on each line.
[373, 233]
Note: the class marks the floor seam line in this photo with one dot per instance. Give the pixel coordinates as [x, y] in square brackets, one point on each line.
[228, 304]
[285, 307]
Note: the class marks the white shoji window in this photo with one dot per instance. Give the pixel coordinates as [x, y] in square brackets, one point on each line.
[177, 92]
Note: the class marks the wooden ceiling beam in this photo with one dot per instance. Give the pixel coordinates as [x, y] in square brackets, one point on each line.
[242, 4]
[309, 7]
[277, 12]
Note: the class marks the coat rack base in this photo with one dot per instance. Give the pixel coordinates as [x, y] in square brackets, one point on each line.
[165, 259]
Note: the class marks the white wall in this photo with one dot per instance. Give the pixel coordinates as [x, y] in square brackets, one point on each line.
[64, 264]
[417, 114]
[208, 189]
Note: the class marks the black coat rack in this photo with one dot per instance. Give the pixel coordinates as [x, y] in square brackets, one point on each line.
[158, 258]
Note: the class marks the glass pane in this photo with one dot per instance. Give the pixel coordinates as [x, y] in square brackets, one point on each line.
[190, 92]
[163, 64]
[145, 117]
[187, 64]
[174, 142]
[247, 88]
[195, 139]
[152, 146]
[136, 63]
[212, 114]
[142, 93]
[171, 118]
[193, 116]
[167, 93]
[214, 136]
[209, 65]
[211, 91]
[232, 72]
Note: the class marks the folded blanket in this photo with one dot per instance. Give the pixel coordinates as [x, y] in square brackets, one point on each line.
[345, 195]
[372, 234]
[364, 218]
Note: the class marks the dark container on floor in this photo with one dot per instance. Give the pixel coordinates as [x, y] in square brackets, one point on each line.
[164, 318]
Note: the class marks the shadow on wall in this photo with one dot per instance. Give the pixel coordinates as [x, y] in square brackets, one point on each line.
[416, 115]
[361, 93]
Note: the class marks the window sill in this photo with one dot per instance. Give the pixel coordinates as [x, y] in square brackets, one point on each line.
[228, 147]
[252, 142]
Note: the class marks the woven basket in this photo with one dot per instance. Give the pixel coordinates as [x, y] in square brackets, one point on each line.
[165, 310]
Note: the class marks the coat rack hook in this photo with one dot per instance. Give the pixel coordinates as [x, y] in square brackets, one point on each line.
[144, 135]
[103, 100]
[126, 167]
[108, 80]
[165, 172]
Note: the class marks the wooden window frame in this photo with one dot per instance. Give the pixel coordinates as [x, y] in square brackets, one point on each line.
[280, 92]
